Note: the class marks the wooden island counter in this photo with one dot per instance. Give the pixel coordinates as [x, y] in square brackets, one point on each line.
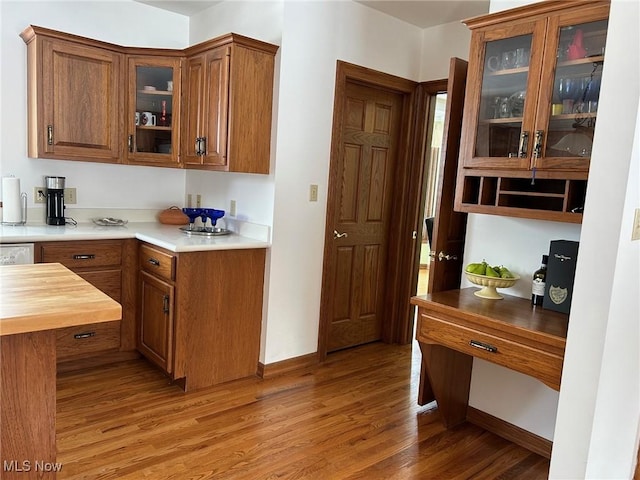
[35, 301]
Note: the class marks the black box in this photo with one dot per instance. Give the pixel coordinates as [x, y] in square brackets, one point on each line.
[561, 271]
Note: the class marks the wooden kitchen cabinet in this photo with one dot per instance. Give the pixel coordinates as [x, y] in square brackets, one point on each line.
[227, 104]
[200, 313]
[205, 107]
[110, 266]
[153, 105]
[531, 109]
[74, 97]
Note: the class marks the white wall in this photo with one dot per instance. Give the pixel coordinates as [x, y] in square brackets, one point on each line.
[115, 22]
[598, 411]
[439, 44]
[253, 194]
[315, 35]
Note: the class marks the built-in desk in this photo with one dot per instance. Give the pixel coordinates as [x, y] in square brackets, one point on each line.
[455, 326]
[35, 300]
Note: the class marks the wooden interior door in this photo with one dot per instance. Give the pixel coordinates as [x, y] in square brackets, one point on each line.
[365, 167]
[449, 227]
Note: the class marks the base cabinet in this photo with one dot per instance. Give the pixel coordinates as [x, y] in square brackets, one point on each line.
[200, 313]
[108, 265]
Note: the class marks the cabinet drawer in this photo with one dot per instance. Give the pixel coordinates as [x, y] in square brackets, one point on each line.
[108, 281]
[82, 254]
[545, 366]
[157, 262]
[86, 340]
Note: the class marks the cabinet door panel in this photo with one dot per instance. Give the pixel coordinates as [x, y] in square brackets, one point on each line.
[156, 321]
[216, 106]
[502, 96]
[570, 89]
[193, 92]
[205, 108]
[81, 102]
[153, 119]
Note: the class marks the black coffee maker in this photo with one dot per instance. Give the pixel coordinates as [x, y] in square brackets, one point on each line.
[55, 200]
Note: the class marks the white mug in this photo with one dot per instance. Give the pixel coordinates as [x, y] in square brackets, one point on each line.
[148, 119]
[137, 118]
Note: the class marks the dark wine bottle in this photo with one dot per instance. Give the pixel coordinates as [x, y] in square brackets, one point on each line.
[538, 283]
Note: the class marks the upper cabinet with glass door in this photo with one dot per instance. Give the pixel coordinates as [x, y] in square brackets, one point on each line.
[570, 90]
[152, 122]
[532, 94]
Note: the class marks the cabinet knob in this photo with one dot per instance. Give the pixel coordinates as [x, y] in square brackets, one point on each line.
[154, 262]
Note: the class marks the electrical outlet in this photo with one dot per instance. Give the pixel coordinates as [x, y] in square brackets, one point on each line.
[39, 195]
[198, 200]
[70, 196]
[313, 193]
[189, 201]
[635, 231]
[232, 208]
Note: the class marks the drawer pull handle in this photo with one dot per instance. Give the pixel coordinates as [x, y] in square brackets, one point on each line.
[80, 336]
[483, 346]
[154, 262]
[90, 256]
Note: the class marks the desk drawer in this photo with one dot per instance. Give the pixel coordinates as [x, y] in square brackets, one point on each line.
[157, 262]
[82, 254]
[86, 340]
[545, 366]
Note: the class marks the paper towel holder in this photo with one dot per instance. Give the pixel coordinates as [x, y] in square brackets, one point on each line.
[22, 200]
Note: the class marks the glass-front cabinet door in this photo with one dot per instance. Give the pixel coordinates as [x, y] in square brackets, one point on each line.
[570, 91]
[154, 85]
[500, 112]
[532, 102]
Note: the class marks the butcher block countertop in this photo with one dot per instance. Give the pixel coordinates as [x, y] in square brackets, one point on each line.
[47, 296]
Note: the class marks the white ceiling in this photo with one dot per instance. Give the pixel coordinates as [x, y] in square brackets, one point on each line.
[422, 13]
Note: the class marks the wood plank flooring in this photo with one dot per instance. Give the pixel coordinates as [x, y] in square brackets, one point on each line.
[354, 417]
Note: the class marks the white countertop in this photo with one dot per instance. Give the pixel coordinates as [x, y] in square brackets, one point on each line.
[165, 236]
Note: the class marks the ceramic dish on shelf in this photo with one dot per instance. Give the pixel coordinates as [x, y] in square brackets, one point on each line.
[489, 285]
[149, 88]
[109, 222]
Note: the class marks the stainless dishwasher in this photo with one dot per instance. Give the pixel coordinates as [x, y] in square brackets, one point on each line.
[16, 253]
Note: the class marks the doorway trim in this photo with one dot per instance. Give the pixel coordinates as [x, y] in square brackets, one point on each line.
[399, 236]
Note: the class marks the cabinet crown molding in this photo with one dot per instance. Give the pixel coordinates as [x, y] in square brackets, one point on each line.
[530, 12]
[33, 31]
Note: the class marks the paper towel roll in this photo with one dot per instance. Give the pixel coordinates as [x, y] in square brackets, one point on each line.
[11, 204]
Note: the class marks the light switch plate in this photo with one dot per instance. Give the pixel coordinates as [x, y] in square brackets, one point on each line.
[635, 231]
[313, 193]
[232, 208]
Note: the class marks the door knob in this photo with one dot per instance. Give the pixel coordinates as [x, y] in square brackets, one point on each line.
[339, 235]
[442, 256]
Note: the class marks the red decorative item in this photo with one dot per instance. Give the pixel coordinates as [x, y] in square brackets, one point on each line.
[576, 49]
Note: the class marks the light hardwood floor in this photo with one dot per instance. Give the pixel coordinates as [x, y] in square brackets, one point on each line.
[354, 417]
